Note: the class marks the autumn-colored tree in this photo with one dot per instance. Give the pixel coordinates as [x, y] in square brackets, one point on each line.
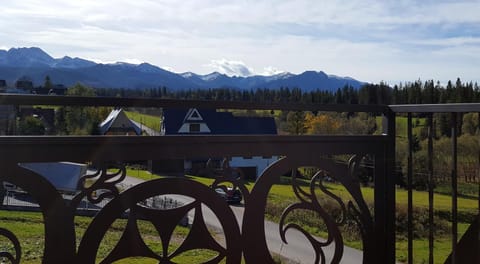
[321, 124]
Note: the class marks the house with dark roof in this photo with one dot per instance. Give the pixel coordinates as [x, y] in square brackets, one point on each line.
[117, 123]
[211, 122]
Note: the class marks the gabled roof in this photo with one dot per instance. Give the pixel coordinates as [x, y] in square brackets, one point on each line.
[117, 114]
[220, 123]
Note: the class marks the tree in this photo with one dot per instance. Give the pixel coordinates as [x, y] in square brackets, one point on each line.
[296, 122]
[31, 126]
[48, 83]
[75, 120]
[81, 90]
[361, 124]
[470, 123]
[321, 124]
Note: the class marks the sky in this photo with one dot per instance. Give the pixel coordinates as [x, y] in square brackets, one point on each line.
[386, 40]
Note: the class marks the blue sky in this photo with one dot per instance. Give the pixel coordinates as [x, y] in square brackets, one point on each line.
[390, 40]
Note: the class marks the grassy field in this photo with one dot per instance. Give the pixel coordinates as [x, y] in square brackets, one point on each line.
[401, 123]
[28, 227]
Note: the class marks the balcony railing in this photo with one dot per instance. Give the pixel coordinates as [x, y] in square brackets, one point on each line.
[337, 158]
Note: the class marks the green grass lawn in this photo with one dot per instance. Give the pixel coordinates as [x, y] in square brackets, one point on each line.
[29, 229]
[141, 174]
[401, 123]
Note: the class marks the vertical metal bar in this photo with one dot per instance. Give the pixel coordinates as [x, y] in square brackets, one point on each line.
[390, 189]
[430, 189]
[391, 192]
[409, 189]
[385, 196]
[478, 169]
[454, 187]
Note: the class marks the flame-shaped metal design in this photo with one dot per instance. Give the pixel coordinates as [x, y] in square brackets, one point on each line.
[101, 184]
[308, 200]
[14, 259]
[227, 174]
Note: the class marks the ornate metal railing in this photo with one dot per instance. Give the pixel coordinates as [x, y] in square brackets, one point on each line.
[336, 158]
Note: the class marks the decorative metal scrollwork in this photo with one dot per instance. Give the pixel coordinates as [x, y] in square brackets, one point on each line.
[101, 184]
[131, 243]
[310, 202]
[235, 176]
[361, 213]
[345, 174]
[16, 246]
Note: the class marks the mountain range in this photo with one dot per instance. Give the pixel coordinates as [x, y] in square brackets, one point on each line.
[36, 64]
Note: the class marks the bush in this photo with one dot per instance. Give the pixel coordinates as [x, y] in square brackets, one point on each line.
[421, 225]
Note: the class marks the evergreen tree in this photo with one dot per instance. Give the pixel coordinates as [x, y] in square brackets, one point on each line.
[48, 83]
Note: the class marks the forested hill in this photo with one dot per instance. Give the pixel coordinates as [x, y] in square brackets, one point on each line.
[418, 92]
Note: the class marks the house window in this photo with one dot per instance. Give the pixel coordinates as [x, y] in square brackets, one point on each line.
[194, 128]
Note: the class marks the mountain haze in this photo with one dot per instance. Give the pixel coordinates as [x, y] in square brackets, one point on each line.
[36, 64]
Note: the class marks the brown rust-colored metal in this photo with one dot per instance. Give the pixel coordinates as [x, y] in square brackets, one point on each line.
[227, 174]
[80, 149]
[164, 221]
[102, 185]
[13, 258]
[256, 249]
[309, 201]
[58, 219]
[297, 150]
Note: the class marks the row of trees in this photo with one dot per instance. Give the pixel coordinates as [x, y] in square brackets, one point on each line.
[69, 120]
[76, 120]
[418, 92]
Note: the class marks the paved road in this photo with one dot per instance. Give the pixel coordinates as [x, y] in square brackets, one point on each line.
[298, 248]
[148, 131]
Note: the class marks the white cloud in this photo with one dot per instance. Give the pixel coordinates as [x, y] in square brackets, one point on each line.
[231, 67]
[268, 71]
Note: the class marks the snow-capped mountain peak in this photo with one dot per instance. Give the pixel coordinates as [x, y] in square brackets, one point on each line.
[212, 76]
[188, 75]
